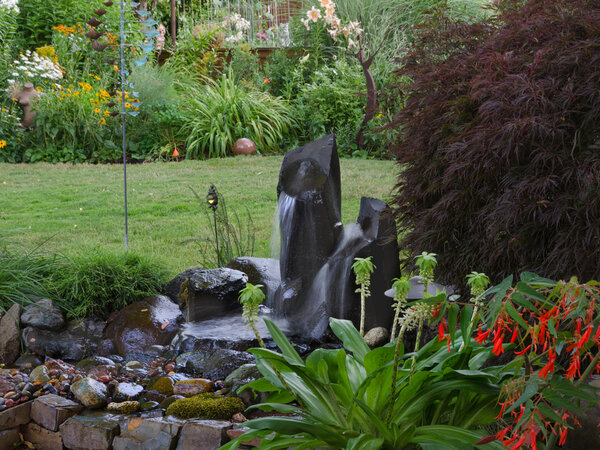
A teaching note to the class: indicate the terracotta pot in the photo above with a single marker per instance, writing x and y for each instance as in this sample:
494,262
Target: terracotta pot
244,146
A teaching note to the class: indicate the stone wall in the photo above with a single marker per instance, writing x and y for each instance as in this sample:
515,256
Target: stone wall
52,422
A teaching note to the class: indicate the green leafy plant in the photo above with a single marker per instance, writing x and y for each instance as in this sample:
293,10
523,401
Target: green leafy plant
426,262
251,297
98,283
446,393
363,268
221,112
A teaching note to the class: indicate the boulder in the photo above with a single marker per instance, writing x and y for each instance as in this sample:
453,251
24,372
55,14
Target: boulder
263,271
176,288
158,433
27,361
215,364
152,321
43,314
10,335
207,434
91,393
211,292
79,340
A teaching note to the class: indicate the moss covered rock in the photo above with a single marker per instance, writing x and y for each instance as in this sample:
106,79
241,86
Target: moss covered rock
206,406
128,407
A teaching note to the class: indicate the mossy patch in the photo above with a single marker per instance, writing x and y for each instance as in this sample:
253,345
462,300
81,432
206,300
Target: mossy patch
164,385
206,406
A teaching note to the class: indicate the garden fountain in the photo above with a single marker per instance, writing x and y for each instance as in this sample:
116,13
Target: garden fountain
316,251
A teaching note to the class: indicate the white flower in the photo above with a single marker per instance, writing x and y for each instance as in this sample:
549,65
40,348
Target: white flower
306,23
314,14
333,33
354,28
330,10
325,3
351,43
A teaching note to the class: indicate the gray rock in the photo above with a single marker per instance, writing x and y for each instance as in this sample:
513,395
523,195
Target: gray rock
10,335
50,411
215,364
127,391
40,375
152,321
43,314
91,393
240,377
263,271
27,361
79,340
9,438
90,431
205,434
93,361
207,292
41,438
15,416
148,433
377,337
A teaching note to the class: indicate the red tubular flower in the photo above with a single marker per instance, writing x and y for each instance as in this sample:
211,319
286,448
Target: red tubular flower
513,338
441,332
548,368
522,352
563,436
502,433
574,368
518,444
482,336
498,341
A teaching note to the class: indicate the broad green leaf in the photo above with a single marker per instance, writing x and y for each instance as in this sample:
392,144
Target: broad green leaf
465,320
452,315
512,312
282,342
365,442
350,337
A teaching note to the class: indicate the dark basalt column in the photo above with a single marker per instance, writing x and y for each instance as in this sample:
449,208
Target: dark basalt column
380,229
310,221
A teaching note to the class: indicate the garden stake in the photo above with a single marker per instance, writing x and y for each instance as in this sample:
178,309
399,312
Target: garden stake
213,200
122,29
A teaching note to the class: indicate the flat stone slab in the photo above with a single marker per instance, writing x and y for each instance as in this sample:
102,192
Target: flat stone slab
41,438
153,433
203,434
9,438
15,416
50,411
90,431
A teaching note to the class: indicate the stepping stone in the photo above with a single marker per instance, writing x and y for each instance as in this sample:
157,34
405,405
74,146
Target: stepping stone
90,431
204,434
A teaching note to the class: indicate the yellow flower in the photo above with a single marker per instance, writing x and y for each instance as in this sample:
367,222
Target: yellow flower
2,144
85,86
102,121
107,113
127,105
97,110
116,67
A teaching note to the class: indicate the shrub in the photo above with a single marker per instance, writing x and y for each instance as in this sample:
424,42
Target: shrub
98,283
221,112
37,17
499,142
332,102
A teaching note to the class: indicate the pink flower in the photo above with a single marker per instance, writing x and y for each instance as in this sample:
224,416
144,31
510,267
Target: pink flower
314,14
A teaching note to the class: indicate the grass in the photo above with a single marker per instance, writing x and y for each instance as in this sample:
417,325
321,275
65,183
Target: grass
71,209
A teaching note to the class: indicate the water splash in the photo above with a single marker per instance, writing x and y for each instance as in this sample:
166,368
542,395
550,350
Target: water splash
334,283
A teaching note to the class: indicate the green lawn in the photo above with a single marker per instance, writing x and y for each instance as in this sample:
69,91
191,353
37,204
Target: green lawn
75,208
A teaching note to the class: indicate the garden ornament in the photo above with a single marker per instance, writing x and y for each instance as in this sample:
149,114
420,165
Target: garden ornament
24,97
244,146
